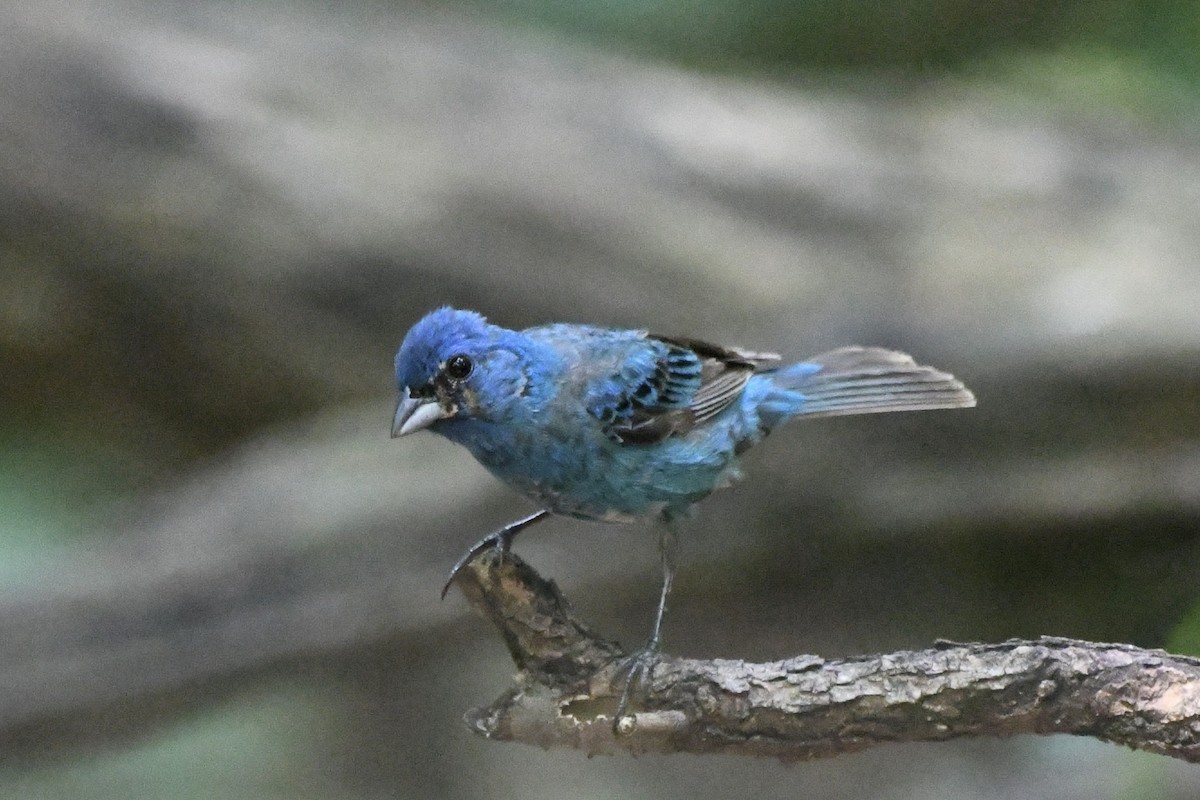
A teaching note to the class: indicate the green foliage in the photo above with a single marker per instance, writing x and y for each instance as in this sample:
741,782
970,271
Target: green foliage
50,490
911,37
255,747
1081,78
1185,638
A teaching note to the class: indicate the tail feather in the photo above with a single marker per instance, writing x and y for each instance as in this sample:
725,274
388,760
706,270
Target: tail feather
868,380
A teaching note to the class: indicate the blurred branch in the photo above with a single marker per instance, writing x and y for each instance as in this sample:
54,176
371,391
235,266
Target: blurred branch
807,706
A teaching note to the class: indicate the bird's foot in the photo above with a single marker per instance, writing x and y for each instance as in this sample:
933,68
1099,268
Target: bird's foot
638,672
499,541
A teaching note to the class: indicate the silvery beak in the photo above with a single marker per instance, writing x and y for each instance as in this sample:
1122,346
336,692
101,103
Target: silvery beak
414,414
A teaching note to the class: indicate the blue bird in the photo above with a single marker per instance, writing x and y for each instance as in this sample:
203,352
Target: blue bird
623,425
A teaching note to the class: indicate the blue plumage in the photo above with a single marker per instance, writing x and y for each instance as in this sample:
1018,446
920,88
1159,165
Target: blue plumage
619,425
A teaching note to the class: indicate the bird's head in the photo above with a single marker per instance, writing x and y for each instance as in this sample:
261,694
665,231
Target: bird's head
455,365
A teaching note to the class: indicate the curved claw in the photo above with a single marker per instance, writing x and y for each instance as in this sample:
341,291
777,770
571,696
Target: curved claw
496,540
501,539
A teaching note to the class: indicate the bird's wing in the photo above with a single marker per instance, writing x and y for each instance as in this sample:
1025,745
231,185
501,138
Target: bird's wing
676,385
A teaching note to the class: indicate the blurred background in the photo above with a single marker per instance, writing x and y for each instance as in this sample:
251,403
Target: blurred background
219,577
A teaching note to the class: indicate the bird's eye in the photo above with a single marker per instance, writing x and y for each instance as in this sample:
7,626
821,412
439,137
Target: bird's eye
458,367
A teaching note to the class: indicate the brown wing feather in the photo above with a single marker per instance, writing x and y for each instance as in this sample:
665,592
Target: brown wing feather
723,376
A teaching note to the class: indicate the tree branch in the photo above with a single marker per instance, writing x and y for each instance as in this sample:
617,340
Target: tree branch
807,706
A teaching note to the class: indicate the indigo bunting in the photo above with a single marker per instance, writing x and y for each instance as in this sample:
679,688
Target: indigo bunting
623,425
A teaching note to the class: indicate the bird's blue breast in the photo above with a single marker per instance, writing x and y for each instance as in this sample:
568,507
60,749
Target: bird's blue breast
560,457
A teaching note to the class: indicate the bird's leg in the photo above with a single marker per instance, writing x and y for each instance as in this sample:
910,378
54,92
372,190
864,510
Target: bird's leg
501,540
640,665
667,547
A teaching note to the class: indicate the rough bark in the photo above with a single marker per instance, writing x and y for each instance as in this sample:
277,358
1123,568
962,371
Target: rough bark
810,707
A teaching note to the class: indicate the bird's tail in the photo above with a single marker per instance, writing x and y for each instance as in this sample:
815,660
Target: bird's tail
860,380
